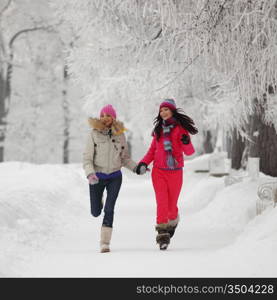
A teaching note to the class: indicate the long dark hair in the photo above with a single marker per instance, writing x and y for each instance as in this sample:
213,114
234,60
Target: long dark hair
183,120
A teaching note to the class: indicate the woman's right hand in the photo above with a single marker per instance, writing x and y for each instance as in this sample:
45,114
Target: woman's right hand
93,179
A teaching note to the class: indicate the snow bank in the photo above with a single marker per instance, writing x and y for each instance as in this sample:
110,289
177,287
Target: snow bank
215,205
253,254
36,202
231,208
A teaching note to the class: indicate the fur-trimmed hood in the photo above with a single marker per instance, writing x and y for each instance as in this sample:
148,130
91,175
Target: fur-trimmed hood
117,126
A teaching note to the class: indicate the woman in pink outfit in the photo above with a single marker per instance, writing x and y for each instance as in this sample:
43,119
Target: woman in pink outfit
171,139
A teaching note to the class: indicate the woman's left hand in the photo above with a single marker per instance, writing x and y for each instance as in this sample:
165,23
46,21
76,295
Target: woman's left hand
141,168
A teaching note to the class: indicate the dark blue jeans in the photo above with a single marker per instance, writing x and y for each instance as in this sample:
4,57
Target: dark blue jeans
112,186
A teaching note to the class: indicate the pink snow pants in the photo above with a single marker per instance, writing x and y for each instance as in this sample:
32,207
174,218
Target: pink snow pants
167,185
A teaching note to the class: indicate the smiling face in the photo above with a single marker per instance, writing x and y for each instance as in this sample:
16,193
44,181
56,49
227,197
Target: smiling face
107,120
165,113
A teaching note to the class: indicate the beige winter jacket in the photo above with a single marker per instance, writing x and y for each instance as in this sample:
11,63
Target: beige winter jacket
105,153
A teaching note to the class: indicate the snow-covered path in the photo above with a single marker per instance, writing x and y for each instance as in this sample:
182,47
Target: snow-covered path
134,252
218,235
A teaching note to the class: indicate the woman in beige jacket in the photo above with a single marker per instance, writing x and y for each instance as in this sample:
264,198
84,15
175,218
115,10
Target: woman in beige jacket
105,153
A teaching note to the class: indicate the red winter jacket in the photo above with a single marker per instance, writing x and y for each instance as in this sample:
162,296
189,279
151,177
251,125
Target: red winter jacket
157,153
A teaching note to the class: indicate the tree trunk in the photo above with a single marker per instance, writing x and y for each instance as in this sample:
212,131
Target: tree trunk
268,149
4,96
65,105
237,146
254,130
207,144
5,99
264,141
2,116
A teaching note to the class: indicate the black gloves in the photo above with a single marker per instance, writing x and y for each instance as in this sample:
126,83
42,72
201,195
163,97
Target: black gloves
185,139
141,168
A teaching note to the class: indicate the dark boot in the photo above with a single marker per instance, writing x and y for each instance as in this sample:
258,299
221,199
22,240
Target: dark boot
163,237
172,224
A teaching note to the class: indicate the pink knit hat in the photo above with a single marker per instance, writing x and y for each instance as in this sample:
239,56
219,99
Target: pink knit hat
108,110
170,103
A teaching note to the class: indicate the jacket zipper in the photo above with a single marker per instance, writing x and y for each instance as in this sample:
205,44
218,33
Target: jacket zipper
109,151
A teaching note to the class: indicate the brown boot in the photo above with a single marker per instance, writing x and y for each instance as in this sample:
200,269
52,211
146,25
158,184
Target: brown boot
172,224
106,234
163,237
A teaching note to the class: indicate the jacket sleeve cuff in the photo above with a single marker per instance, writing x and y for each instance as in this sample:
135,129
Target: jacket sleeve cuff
188,149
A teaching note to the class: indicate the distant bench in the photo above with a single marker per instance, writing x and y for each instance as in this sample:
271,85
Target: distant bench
267,196
267,192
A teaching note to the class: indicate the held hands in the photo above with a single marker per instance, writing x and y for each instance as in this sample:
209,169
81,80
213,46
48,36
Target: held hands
185,139
141,168
93,179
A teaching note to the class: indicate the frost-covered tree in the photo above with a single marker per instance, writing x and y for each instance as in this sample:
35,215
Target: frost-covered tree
118,59
149,49
17,25
244,47
43,120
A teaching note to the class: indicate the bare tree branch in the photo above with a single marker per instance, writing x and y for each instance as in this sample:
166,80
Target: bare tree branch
198,55
46,28
158,34
182,71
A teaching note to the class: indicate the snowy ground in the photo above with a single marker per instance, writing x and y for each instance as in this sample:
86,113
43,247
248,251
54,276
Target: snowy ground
46,229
